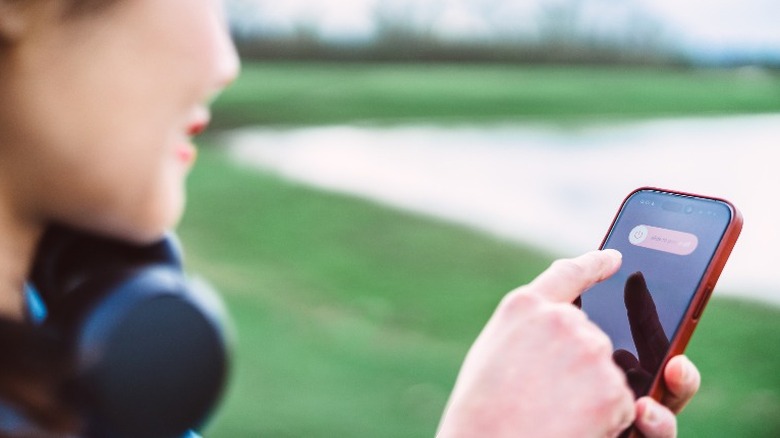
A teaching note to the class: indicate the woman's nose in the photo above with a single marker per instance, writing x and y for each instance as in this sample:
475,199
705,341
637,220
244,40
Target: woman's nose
229,63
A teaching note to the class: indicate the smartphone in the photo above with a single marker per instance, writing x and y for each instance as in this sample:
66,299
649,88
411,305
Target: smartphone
674,247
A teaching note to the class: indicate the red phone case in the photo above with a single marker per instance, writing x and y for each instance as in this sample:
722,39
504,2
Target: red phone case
704,291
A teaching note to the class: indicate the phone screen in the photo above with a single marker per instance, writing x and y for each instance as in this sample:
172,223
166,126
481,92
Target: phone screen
667,241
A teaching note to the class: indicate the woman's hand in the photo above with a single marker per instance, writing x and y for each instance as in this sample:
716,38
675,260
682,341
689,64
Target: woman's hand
682,381
540,367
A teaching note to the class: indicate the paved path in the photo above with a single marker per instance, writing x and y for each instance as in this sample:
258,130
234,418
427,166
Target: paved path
551,187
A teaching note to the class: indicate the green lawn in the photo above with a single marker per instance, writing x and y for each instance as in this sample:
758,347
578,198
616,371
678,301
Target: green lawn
352,319
310,93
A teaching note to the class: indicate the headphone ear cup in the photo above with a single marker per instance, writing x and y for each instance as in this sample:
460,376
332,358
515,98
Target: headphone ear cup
152,359
148,344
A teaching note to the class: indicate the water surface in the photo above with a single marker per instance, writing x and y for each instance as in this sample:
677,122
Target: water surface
556,188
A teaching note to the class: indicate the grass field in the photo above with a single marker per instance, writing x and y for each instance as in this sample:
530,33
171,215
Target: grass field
300,94
352,319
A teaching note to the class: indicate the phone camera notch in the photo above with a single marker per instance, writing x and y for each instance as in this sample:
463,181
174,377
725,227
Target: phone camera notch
672,206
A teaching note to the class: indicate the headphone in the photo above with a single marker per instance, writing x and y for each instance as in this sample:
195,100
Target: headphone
149,344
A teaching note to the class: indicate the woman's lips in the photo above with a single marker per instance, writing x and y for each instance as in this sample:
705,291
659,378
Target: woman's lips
197,128
186,152
199,121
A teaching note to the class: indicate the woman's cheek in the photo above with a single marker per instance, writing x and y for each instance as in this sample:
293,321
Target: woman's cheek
165,200
149,195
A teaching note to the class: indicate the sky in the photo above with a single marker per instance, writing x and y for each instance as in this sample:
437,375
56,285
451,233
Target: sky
704,27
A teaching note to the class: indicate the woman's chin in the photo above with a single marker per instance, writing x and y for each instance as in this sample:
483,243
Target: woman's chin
143,230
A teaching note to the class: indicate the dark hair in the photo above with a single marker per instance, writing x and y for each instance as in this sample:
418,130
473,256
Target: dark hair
35,366
34,369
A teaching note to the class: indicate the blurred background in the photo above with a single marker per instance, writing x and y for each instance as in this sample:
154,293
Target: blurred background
384,171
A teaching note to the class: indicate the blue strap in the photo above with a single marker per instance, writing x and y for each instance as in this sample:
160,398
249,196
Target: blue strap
36,308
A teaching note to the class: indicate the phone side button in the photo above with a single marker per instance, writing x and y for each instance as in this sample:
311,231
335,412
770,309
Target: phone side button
702,303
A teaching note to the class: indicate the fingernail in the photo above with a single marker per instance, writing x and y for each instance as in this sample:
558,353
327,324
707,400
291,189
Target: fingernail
685,373
615,254
651,415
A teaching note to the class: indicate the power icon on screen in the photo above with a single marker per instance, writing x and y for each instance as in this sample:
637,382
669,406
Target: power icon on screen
638,234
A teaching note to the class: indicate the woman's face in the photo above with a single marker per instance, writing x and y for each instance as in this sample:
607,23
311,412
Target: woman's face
100,109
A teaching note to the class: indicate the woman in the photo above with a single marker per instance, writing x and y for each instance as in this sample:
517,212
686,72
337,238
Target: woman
99,100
